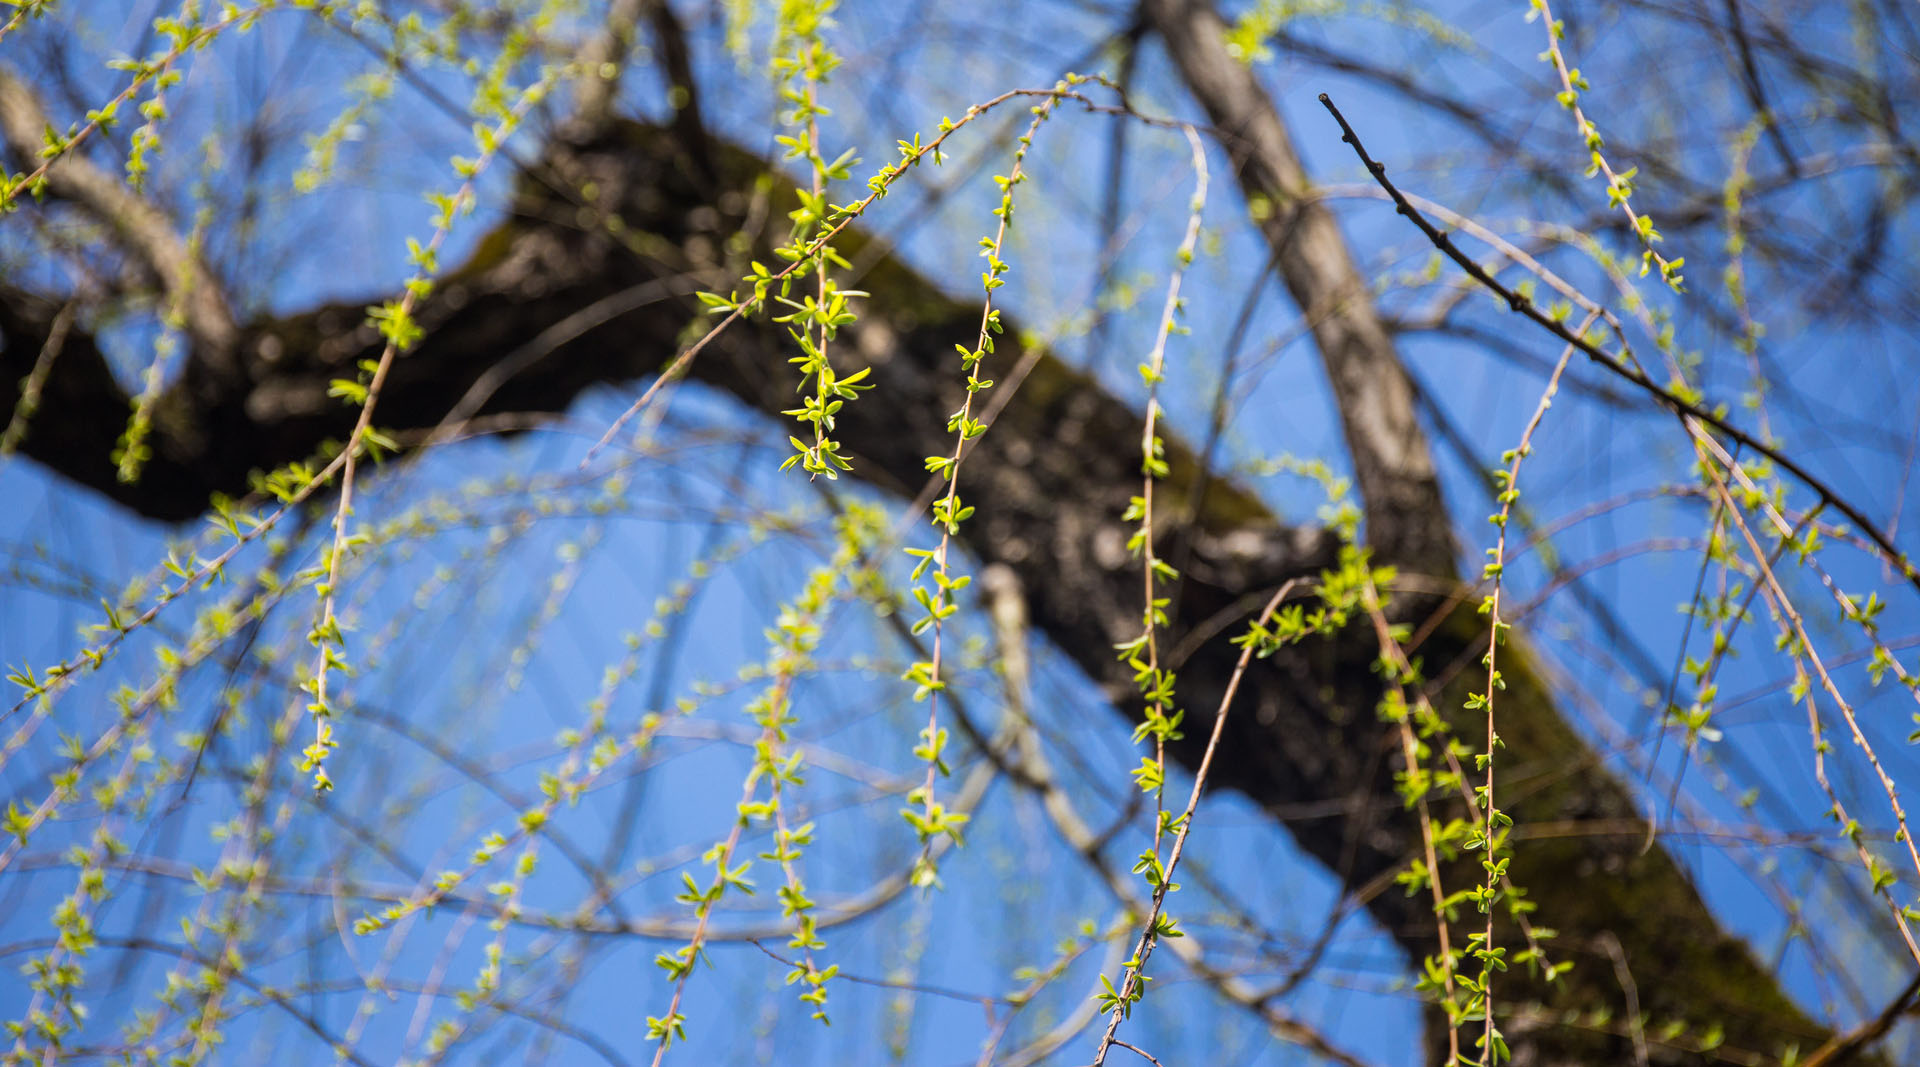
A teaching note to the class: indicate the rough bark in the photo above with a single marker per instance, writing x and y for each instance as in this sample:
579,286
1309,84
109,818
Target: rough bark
1050,482
1392,462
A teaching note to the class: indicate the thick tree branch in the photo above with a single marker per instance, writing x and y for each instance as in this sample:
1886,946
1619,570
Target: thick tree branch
1392,462
605,58
143,230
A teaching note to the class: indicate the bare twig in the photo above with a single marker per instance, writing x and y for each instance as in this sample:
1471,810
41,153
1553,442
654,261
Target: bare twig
1665,397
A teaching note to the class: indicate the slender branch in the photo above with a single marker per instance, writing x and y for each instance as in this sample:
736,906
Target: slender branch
1843,1048
1665,397
1151,931
1031,772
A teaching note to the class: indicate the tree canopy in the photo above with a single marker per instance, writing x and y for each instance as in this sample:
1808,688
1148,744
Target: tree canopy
1063,531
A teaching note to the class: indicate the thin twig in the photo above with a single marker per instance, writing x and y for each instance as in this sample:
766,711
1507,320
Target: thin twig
1664,396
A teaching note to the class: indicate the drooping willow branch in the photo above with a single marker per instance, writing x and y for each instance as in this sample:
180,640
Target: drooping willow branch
1666,397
